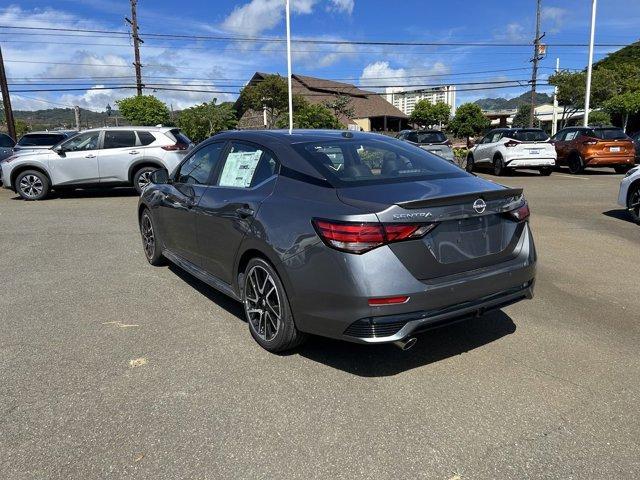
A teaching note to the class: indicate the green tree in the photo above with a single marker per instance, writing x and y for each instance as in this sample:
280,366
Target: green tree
202,121
21,128
624,104
599,117
309,115
143,110
521,118
468,121
426,113
271,94
341,106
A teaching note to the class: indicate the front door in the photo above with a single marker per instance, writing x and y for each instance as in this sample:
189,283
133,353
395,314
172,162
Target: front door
77,160
178,204
120,149
227,209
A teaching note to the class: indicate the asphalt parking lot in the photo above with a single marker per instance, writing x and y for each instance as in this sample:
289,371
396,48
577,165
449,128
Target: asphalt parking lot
547,388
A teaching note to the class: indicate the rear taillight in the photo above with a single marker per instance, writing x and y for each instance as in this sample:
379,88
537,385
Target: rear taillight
356,237
175,146
378,302
590,142
511,143
521,213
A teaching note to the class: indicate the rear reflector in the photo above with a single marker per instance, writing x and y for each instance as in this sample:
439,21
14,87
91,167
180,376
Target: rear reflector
176,146
358,237
521,213
376,302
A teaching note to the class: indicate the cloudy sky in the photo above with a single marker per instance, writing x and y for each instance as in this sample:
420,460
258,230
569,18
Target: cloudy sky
197,50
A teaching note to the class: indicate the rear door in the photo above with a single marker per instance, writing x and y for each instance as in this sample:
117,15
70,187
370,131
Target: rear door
178,203
120,149
77,163
227,209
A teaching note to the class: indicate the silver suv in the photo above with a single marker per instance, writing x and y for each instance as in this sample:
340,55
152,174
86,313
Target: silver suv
102,157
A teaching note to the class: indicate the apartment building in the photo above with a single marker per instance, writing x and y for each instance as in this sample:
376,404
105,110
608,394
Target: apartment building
405,101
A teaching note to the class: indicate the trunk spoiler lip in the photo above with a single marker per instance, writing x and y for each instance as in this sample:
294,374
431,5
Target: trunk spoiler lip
462,198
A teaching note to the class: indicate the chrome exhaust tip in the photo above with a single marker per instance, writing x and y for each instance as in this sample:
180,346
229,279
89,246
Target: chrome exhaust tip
406,343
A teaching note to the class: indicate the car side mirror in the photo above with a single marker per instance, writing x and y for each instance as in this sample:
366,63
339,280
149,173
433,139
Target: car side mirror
59,150
159,176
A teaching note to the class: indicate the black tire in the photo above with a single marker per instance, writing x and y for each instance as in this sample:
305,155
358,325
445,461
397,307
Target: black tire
633,202
141,178
32,185
546,171
470,165
271,326
576,165
498,166
622,168
151,243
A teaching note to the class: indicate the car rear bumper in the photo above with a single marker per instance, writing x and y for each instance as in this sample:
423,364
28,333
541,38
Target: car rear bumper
535,162
335,303
609,161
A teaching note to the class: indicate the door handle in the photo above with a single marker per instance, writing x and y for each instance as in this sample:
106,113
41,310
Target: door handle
134,152
245,212
90,156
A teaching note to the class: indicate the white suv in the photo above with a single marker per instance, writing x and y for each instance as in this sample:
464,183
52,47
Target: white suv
104,157
510,148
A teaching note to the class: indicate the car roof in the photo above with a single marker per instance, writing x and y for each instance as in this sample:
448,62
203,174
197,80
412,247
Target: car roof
298,135
132,127
50,132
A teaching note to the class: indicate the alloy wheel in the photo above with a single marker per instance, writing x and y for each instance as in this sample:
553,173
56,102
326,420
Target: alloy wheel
262,303
144,179
148,238
31,186
634,204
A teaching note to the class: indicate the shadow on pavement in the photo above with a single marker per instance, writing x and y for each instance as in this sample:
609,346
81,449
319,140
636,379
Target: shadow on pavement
95,193
619,214
433,346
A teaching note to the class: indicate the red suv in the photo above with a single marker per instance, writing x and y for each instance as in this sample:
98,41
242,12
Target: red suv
581,147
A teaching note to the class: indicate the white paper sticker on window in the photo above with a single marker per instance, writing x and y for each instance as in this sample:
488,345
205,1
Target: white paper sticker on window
238,169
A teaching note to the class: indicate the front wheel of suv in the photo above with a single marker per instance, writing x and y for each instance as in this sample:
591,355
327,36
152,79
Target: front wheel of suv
267,309
32,185
142,178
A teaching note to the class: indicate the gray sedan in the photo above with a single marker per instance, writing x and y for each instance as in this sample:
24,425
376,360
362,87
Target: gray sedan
433,141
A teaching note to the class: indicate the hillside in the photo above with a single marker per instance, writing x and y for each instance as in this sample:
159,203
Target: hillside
506,104
63,117
628,54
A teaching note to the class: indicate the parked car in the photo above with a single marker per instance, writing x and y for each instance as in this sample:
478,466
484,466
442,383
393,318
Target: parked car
102,157
636,143
433,141
34,141
314,235
582,147
505,149
629,195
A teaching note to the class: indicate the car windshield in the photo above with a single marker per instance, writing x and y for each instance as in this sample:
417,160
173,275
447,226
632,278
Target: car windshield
531,135
609,134
40,139
359,162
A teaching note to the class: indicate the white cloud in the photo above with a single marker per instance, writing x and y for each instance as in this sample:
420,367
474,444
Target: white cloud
381,73
342,6
513,32
259,16
554,17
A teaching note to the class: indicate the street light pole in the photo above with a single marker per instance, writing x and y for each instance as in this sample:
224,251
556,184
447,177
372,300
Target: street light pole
289,67
554,121
587,94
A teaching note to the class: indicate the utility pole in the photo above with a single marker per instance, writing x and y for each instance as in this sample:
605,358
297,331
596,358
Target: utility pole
76,111
587,93
6,100
289,66
554,121
136,45
535,59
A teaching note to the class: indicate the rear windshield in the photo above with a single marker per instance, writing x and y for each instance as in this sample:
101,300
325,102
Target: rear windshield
6,141
608,133
40,139
427,137
532,135
180,137
353,162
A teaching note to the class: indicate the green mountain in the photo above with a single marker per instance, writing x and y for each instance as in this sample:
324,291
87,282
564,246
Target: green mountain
64,117
628,54
507,104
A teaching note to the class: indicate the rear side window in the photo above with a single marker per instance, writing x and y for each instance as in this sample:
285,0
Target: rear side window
146,138
119,139
528,135
6,141
197,169
609,134
40,139
246,165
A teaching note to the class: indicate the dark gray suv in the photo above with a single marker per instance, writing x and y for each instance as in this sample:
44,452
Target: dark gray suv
353,236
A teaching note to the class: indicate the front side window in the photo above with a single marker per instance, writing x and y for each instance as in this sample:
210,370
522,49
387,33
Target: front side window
119,139
375,161
246,165
197,169
82,142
